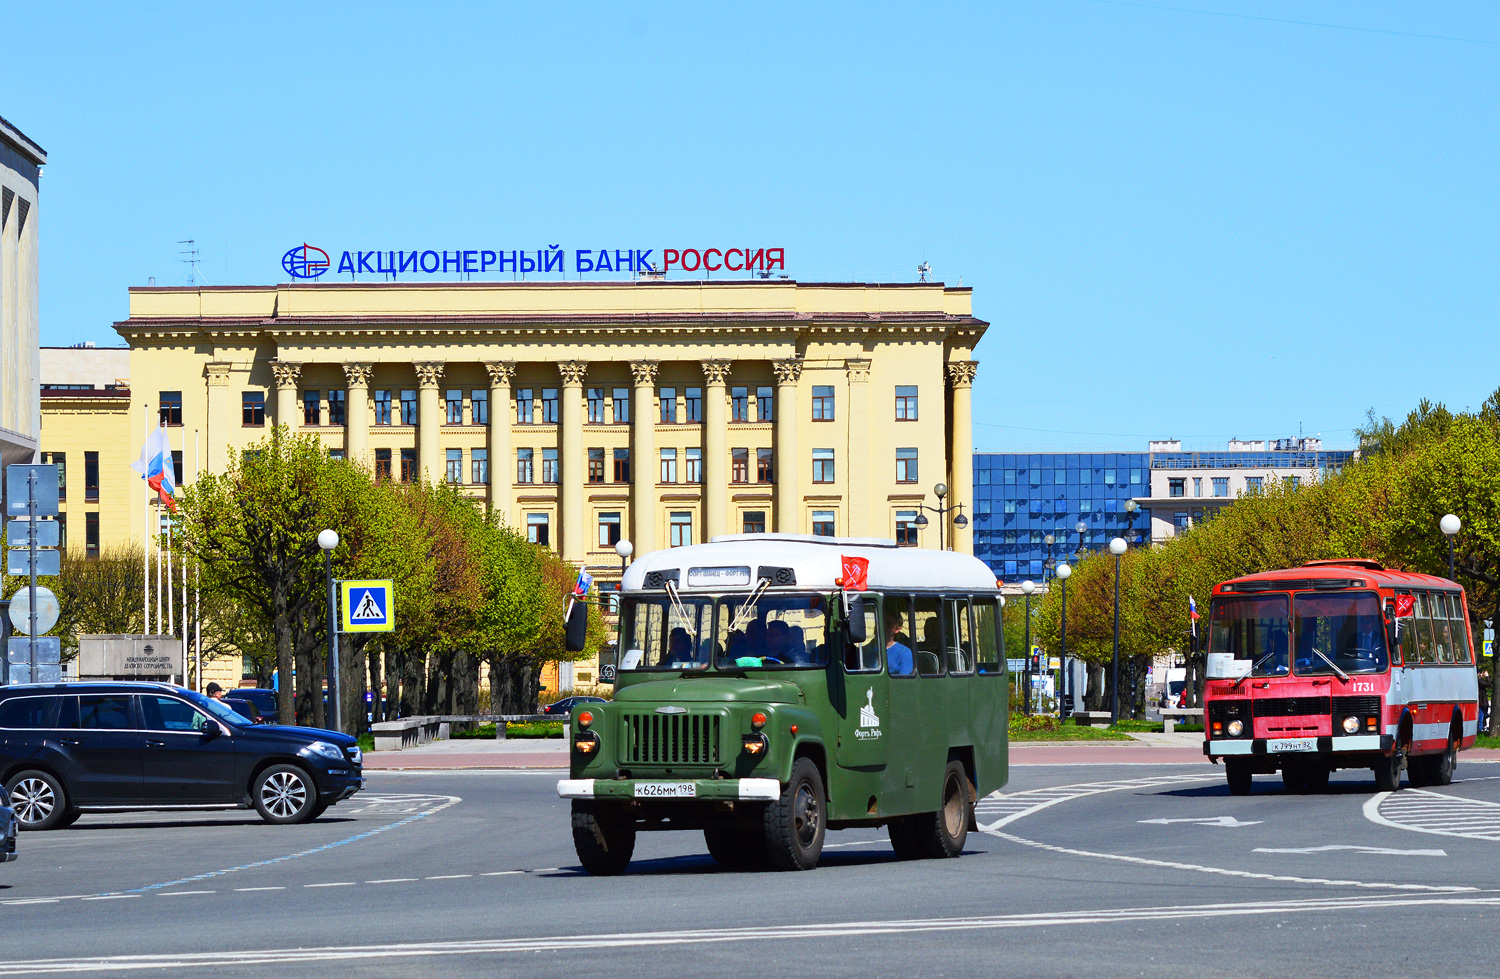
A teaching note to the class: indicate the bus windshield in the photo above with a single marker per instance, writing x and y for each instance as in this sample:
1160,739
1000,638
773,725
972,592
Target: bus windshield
1339,632
657,633
1253,627
772,632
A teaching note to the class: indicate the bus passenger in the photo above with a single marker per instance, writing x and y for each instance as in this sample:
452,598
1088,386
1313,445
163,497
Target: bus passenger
897,657
779,641
679,646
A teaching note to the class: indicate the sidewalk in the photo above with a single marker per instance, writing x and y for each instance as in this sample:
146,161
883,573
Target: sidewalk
475,753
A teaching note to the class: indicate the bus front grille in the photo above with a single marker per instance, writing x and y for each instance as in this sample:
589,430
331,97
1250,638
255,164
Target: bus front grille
1291,706
1356,705
671,739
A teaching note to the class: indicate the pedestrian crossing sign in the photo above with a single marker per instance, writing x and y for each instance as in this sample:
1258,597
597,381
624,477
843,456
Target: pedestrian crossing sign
367,606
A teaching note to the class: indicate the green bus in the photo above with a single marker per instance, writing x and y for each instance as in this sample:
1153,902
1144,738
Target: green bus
763,697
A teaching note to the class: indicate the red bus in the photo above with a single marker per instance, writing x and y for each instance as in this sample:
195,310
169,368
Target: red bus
1339,664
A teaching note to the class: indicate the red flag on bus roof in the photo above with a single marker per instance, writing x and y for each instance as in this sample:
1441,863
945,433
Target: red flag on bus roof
856,573
1405,605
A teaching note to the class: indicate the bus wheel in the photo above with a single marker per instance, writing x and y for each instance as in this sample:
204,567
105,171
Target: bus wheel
1237,771
1388,772
796,822
904,838
942,833
1315,779
603,838
1442,766
735,847
1293,778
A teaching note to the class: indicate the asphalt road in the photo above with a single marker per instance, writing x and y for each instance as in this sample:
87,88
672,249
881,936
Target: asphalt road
1102,870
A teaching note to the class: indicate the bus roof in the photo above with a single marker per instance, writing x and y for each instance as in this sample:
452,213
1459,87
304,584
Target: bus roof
1367,574
814,563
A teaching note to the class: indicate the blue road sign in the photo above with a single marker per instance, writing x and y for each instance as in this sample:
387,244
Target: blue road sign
368,606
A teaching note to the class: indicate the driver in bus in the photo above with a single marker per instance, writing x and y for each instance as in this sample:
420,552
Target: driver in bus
897,657
679,646
779,641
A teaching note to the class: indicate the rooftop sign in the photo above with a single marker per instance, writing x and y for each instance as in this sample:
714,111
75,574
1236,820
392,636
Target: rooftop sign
307,261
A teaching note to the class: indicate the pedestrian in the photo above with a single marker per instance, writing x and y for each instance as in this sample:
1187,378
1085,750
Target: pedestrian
215,691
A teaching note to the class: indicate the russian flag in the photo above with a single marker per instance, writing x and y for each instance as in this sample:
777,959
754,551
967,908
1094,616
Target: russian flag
1193,614
155,464
585,582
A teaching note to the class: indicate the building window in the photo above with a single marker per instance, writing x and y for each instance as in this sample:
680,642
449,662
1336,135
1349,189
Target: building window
906,528
739,465
549,466
62,532
523,406
1254,484
253,409
596,406
479,465
1176,487
454,402
622,465
822,406
91,533
312,412
754,522
382,463
681,533
669,465
549,406
337,454
1197,485
523,466
763,470
479,407
1010,477
177,467
408,465
1221,485
60,460
1109,477
906,465
169,408
822,523
692,403
822,465
1180,519
609,597
739,404
668,398
91,477
596,465
382,407
765,400
906,403
1010,506
1292,482
1135,477
1059,477
621,401
695,465
609,529
336,408
408,406
536,529
455,460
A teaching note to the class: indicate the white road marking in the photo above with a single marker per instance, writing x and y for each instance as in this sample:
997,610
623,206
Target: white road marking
830,846
447,876
800,932
1437,813
110,897
181,893
1018,805
1226,821
337,883
392,880
1383,851
502,873
260,888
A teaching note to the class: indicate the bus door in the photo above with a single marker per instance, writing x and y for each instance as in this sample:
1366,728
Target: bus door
863,702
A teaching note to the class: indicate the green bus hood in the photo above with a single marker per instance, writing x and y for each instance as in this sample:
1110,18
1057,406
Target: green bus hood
716,689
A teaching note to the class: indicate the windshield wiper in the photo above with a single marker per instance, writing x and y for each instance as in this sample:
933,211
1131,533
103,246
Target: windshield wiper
681,609
1253,667
744,613
1331,664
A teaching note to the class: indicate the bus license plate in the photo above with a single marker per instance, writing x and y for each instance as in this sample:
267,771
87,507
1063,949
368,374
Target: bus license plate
1292,744
666,790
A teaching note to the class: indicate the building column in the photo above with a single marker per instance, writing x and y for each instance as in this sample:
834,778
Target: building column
573,463
357,413
429,421
502,466
961,457
220,416
643,453
788,465
861,520
287,376
715,448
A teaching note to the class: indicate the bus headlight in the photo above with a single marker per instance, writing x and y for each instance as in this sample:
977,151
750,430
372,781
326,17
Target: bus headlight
1236,728
586,743
1351,725
755,744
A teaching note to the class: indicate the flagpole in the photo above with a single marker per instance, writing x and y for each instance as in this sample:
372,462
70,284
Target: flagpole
197,601
156,536
146,539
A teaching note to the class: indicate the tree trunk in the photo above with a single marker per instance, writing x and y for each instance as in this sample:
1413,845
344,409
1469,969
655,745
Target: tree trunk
1094,689
411,682
1494,711
377,688
351,687
282,627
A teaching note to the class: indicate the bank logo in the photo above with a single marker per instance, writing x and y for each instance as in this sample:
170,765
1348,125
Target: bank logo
305,261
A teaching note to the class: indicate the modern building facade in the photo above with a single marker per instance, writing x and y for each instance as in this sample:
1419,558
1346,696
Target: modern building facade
662,412
21,162
1021,500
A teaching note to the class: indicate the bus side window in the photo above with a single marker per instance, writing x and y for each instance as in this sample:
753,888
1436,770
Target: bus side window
929,626
1460,628
1406,640
1440,616
1426,644
985,636
866,658
960,650
895,635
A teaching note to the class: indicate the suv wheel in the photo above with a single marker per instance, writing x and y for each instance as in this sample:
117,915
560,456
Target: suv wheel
285,794
38,799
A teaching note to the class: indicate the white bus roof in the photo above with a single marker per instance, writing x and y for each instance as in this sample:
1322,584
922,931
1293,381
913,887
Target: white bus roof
815,562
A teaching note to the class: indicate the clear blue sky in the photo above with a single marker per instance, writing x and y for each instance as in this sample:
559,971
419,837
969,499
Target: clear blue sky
1200,220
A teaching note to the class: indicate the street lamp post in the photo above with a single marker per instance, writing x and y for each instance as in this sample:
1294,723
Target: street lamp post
1116,547
1027,587
328,540
1063,573
624,548
1450,526
960,521
1049,564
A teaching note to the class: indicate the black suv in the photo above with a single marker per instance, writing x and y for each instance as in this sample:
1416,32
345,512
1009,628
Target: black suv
70,748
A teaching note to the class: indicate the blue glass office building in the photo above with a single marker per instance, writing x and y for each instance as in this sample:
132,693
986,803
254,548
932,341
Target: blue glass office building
1020,498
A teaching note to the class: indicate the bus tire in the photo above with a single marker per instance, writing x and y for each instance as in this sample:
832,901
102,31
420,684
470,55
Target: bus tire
603,838
1293,778
1440,770
904,838
796,823
942,833
1237,773
734,847
1315,779
1388,772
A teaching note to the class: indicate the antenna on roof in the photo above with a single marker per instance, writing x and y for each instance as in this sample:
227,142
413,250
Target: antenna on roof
191,261
923,271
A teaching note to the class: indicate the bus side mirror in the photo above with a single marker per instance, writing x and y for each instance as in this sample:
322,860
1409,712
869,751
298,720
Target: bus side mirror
577,628
855,619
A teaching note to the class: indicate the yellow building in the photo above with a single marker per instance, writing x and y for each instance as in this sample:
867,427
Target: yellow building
662,412
87,433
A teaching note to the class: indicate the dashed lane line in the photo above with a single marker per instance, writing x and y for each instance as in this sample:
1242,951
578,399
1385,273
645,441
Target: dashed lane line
336,883
448,877
392,880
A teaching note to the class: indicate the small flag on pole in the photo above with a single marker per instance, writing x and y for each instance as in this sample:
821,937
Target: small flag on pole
585,582
1193,614
856,573
155,464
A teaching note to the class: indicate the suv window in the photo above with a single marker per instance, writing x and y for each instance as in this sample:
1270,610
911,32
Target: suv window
107,711
27,712
171,714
